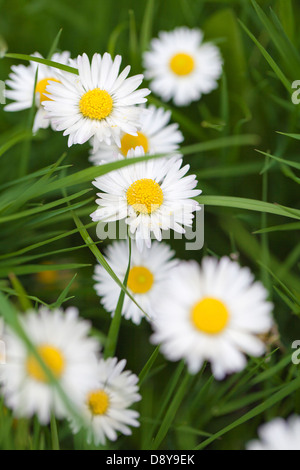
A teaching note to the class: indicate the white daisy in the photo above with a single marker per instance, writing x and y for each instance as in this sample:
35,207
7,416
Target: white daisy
21,81
151,196
149,270
105,408
155,136
212,313
61,340
278,434
181,66
98,102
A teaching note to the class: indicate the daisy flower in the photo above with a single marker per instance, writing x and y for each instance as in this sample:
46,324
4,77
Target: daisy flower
214,313
105,408
181,66
21,82
99,102
278,434
148,273
61,340
151,196
156,135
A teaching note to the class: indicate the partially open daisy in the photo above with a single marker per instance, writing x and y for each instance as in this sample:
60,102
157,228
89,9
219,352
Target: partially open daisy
278,434
151,196
181,66
105,408
99,103
155,135
149,271
212,313
21,82
62,342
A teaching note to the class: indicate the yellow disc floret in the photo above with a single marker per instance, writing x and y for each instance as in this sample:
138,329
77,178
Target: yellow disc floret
53,359
140,280
96,104
210,315
145,196
132,141
98,402
182,64
41,88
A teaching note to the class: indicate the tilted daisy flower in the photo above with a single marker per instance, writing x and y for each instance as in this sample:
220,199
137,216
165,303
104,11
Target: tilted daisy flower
278,434
61,339
105,408
213,312
21,82
99,102
156,136
181,66
151,196
149,271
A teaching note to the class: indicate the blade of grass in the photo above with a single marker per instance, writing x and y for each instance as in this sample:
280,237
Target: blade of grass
148,366
248,204
269,59
54,45
146,27
98,255
23,297
284,392
113,333
48,62
171,412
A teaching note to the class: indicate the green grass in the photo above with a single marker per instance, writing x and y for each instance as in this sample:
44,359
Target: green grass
242,142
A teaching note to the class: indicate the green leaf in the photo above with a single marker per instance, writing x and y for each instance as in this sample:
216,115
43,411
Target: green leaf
286,83
98,255
283,45
146,27
54,45
293,136
223,24
147,367
113,333
284,392
172,410
48,62
37,268
42,208
281,160
115,36
287,16
280,228
23,297
15,140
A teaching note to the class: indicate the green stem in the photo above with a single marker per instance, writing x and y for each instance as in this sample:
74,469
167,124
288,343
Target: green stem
54,434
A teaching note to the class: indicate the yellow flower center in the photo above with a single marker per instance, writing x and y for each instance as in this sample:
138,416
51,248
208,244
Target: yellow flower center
210,315
140,280
98,402
131,141
52,357
41,88
182,64
145,196
96,104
